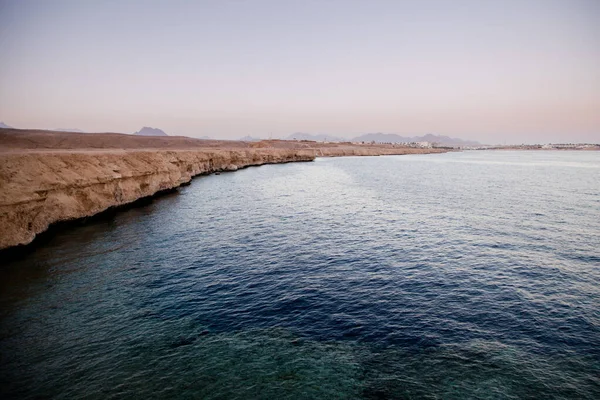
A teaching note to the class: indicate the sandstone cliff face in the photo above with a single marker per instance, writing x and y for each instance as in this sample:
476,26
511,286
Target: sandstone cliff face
47,177
38,188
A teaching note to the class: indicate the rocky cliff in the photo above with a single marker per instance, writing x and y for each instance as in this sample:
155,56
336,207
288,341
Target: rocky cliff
39,188
49,176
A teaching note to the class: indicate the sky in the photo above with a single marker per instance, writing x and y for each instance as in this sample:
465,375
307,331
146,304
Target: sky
509,71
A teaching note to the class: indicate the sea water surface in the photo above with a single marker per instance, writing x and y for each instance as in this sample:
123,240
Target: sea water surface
454,276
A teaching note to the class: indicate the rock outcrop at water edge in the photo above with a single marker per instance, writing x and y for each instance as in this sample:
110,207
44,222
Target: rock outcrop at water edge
39,188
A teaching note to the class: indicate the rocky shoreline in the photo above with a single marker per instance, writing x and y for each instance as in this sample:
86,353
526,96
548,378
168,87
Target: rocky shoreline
39,189
49,178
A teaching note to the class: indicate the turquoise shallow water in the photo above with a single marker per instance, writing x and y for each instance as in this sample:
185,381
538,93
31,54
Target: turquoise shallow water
461,275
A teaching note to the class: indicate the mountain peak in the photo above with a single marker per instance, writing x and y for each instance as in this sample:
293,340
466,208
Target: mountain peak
3,125
148,131
249,138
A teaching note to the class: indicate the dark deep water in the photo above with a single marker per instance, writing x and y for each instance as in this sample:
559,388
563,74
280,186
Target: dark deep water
462,275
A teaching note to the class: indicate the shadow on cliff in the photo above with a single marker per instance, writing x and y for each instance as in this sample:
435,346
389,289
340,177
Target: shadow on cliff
22,251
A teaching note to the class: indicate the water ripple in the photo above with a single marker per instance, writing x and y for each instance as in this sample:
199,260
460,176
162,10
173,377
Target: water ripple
463,275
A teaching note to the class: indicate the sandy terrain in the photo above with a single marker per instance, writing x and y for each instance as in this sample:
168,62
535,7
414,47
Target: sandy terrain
47,177
17,140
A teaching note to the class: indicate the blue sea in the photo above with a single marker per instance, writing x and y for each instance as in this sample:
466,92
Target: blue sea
465,275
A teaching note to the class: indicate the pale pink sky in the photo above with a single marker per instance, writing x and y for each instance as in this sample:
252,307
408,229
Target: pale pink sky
494,71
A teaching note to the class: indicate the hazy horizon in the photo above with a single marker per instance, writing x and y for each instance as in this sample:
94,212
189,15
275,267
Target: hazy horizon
493,72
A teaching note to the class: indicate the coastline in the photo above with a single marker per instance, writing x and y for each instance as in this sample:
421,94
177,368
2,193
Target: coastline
49,178
39,189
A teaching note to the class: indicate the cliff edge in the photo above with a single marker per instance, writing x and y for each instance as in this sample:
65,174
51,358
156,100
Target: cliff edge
50,176
44,187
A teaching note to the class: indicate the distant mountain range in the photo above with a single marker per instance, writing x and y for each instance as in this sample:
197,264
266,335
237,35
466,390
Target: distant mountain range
3,125
321,137
147,131
250,139
385,138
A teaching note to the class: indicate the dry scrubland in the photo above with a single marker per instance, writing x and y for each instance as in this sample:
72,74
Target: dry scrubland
47,177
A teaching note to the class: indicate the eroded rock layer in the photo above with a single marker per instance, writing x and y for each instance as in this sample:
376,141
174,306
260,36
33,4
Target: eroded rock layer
40,188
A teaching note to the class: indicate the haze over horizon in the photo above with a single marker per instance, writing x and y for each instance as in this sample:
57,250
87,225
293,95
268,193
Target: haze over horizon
494,72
